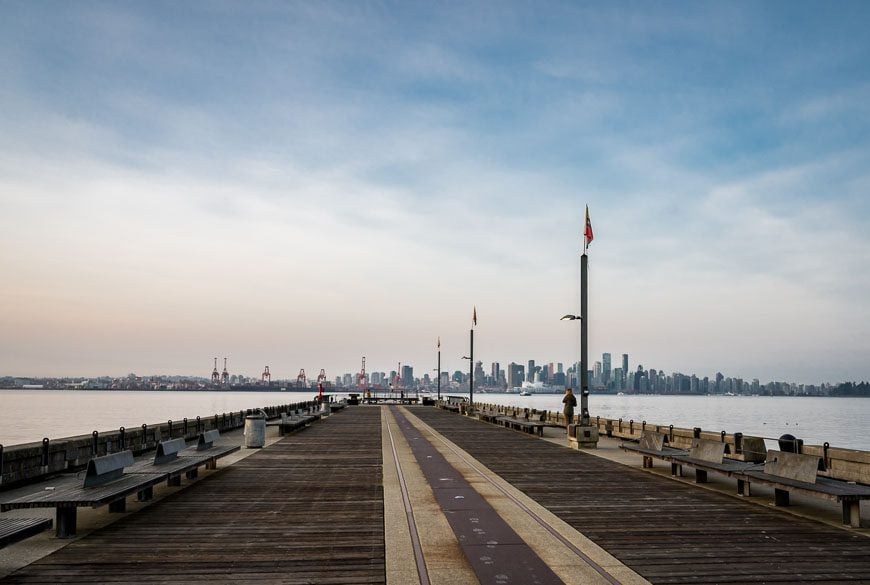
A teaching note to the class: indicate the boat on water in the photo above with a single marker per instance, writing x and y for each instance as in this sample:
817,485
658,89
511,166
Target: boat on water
525,393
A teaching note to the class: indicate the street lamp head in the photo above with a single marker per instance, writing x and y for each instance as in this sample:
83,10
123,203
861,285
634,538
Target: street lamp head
571,318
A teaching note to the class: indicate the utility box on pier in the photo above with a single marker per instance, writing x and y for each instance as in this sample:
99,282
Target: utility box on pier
582,436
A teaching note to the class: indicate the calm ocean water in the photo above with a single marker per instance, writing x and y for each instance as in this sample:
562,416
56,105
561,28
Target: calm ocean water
30,415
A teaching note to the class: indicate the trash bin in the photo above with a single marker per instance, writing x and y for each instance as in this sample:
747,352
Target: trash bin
255,430
790,444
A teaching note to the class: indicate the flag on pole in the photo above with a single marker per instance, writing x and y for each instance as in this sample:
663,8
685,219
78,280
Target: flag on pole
588,233
474,316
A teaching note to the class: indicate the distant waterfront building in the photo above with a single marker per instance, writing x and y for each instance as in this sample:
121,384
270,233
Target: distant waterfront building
596,374
407,376
605,369
625,364
530,372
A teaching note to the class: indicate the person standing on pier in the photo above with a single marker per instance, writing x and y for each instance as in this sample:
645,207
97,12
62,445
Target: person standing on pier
570,401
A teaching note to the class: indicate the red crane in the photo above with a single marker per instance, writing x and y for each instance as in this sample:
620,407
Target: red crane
215,375
301,379
267,377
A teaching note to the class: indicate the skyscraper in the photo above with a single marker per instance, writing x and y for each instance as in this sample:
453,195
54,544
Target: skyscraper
605,369
625,364
515,375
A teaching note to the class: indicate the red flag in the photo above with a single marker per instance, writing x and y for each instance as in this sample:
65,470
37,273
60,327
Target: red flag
588,233
474,316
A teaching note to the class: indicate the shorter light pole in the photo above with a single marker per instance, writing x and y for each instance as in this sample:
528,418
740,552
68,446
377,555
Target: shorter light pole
470,378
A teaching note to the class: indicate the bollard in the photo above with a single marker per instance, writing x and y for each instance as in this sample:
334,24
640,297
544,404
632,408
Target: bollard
696,432
45,451
185,427
643,425
723,436
122,439
620,425
144,436
671,433
738,442
95,437
631,426
169,424
198,422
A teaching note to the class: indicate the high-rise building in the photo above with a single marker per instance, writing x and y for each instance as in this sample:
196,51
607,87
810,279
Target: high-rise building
407,377
605,369
530,372
496,368
625,364
516,375
478,374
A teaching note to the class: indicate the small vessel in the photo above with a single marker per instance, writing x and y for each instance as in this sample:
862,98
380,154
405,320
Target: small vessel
525,393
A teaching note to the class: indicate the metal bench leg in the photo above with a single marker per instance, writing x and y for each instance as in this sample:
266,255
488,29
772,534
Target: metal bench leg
211,464
852,513
174,481
700,476
780,497
192,474
146,495
647,462
743,488
118,506
676,470
65,522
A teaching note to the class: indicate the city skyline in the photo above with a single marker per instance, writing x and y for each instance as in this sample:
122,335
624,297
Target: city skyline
308,183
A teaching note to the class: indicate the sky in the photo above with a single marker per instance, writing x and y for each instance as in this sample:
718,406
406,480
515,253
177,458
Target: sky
300,184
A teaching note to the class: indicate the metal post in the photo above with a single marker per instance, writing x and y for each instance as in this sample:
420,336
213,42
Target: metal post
584,326
439,371
471,373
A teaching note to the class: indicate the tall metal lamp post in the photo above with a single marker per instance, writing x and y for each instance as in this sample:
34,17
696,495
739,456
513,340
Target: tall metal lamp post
586,434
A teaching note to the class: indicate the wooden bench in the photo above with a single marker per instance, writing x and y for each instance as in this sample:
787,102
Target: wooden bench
651,446
104,483
795,472
111,478
174,459
706,456
290,423
520,424
15,529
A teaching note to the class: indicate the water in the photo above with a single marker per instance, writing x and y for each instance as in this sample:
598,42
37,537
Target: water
30,415
839,421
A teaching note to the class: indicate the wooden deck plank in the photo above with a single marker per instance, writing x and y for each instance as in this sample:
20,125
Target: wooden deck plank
307,509
667,531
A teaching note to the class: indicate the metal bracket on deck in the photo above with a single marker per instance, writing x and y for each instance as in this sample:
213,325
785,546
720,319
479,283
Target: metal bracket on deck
168,450
102,470
207,439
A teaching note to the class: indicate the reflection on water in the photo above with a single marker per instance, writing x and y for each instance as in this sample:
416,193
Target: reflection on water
30,415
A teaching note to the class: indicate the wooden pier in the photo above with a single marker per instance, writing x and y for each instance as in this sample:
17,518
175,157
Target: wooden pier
346,500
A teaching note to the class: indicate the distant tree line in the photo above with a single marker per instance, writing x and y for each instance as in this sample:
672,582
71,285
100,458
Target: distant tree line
851,389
